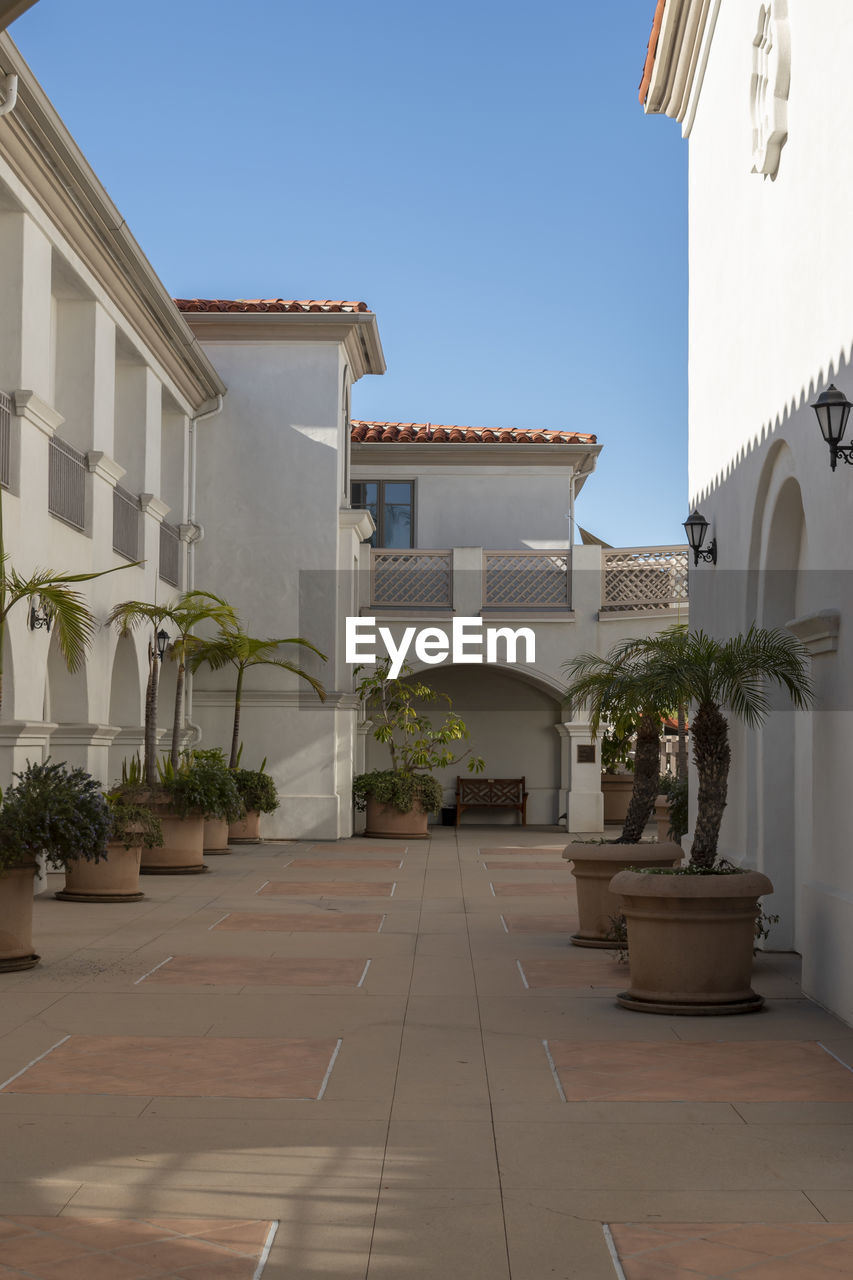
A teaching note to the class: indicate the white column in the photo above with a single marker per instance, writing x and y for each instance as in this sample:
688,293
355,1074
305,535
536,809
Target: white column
581,800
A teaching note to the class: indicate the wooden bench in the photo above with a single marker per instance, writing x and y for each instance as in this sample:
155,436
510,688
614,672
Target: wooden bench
485,793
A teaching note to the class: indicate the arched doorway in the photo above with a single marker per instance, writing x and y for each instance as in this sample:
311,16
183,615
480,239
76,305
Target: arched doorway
126,698
511,720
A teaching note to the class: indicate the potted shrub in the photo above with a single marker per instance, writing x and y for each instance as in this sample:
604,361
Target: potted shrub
691,929
258,795
614,690
181,799
53,810
226,805
398,800
115,877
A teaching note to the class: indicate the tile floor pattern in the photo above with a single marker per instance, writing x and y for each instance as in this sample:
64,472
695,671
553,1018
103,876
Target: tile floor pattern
327,889
441,1148
783,1071
180,1066
106,1249
706,1251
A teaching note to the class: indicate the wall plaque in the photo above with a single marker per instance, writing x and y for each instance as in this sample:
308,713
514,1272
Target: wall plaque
586,753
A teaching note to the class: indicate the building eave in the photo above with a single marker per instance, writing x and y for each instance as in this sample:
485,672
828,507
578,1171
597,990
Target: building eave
48,163
677,55
383,453
358,332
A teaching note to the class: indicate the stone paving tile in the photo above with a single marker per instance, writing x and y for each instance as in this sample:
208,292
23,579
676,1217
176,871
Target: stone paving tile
344,864
720,1071
301,922
172,1066
524,889
520,850
754,1251
72,1248
576,967
566,923
240,971
556,866
328,889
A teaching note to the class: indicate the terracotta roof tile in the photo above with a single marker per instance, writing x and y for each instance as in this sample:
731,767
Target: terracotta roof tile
651,51
303,306
364,432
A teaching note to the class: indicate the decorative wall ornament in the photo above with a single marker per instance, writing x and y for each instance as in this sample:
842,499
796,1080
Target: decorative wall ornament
771,82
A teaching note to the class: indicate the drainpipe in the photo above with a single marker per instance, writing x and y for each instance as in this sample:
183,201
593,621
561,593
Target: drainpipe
195,533
10,94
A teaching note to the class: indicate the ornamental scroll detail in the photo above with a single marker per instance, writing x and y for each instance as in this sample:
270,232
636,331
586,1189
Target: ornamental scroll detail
771,82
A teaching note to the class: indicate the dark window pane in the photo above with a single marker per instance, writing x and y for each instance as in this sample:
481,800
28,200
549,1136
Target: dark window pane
365,494
397,514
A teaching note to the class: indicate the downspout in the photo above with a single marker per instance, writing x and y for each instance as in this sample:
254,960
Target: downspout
10,94
195,533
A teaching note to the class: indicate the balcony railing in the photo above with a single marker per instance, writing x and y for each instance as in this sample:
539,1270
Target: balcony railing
125,523
5,440
66,483
417,579
642,578
170,554
526,580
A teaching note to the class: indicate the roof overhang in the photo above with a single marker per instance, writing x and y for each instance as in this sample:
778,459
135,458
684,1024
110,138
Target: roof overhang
48,163
358,332
679,44
579,458
12,9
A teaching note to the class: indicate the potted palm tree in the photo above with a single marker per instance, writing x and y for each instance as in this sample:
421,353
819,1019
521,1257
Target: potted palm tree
51,810
614,690
115,877
399,800
691,930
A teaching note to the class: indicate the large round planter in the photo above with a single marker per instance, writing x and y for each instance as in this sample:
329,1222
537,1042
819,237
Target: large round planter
16,919
216,835
593,867
690,941
113,879
182,852
617,789
384,822
247,830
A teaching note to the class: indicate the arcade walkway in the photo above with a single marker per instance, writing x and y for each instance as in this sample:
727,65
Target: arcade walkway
350,1061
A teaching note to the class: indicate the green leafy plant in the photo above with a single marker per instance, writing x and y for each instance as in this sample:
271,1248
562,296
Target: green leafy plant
190,790
616,748
133,824
210,766
675,790
54,810
256,789
415,744
234,647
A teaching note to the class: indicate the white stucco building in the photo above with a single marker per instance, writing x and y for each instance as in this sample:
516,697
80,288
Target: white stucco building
213,441
764,94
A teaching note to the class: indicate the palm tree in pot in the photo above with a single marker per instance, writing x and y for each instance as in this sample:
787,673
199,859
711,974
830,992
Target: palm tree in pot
615,690
691,930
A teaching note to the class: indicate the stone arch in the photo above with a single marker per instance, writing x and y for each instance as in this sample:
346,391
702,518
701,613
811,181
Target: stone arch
783,744
512,717
66,693
126,692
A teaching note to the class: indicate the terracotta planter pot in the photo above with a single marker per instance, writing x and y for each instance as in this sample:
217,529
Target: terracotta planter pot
115,879
16,919
247,830
384,822
216,835
690,941
617,789
182,853
594,866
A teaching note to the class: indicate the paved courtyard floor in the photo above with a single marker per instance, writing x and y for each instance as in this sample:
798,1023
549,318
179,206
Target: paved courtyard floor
366,1060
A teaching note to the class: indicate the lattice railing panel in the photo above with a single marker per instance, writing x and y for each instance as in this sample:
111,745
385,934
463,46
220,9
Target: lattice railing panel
414,578
527,579
644,578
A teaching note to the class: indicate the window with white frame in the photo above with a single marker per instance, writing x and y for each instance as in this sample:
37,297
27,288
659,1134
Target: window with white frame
392,505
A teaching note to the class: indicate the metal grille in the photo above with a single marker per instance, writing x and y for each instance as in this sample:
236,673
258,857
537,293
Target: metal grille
170,554
125,523
420,578
527,579
644,578
5,440
66,483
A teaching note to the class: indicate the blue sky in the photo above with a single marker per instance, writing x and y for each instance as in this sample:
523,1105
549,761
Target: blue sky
481,174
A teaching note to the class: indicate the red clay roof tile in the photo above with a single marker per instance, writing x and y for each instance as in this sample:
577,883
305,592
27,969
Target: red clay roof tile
651,50
364,432
303,306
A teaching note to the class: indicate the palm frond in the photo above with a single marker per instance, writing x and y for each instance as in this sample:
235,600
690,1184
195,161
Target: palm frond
74,623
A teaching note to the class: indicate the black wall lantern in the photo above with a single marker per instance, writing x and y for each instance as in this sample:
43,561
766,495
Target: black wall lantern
833,409
41,615
162,641
696,528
